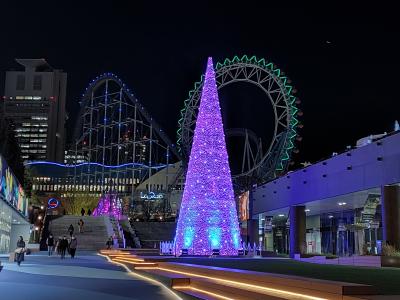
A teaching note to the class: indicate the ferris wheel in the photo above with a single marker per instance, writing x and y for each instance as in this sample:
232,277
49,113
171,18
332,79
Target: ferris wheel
262,158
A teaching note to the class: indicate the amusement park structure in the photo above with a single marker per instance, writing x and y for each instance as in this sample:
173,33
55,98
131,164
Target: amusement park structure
120,142
119,146
261,161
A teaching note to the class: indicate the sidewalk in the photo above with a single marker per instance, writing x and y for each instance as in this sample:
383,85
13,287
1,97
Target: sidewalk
86,277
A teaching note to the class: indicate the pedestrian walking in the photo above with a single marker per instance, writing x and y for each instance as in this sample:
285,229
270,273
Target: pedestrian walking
70,230
63,246
81,223
109,243
58,248
82,211
50,244
89,212
73,244
19,252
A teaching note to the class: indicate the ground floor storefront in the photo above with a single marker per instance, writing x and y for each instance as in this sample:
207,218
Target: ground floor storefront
353,224
12,226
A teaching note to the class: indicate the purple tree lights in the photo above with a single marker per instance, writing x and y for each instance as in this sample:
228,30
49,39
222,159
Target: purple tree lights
109,205
208,218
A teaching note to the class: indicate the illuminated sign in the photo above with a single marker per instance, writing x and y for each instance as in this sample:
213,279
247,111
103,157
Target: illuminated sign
244,206
10,188
53,203
151,196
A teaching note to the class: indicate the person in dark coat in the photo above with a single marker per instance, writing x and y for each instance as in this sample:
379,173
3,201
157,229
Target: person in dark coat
80,224
19,252
50,244
73,244
58,247
109,243
82,211
89,212
71,230
63,246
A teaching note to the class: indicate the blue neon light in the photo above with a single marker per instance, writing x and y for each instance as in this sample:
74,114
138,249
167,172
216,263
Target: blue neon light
53,203
92,163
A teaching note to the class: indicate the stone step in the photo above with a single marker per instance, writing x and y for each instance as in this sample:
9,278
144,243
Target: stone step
299,285
202,286
95,232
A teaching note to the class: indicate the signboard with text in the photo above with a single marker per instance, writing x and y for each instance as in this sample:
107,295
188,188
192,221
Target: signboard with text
10,188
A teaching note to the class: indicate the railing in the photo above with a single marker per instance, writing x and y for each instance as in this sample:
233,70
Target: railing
121,234
117,229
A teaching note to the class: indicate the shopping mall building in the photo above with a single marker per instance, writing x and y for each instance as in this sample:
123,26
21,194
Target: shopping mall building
13,210
348,204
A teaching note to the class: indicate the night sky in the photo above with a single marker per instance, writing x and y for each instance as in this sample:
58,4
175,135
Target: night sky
344,61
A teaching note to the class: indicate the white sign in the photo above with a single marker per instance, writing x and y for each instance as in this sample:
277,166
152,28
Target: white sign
151,196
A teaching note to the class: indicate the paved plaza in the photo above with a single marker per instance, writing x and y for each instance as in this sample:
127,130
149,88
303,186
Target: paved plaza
88,276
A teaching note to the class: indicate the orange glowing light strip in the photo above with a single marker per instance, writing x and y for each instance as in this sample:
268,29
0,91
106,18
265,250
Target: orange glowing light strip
128,258
252,286
136,263
142,277
205,292
115,253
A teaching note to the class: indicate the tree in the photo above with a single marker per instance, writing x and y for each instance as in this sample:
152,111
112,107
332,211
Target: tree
208,219
10,150
75,203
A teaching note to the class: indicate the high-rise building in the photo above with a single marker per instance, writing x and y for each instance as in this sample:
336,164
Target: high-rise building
34,100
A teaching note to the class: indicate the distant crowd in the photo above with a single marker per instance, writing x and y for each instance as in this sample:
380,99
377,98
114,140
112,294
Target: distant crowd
61,245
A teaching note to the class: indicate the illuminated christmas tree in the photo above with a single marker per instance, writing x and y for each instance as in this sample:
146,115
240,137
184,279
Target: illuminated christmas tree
109,205
208,218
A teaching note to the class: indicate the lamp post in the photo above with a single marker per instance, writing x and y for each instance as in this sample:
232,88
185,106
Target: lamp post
37,220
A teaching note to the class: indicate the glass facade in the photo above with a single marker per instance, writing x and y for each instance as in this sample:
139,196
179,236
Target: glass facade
5,227
336,228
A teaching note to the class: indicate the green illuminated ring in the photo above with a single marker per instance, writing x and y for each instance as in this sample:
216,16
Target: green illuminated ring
278,90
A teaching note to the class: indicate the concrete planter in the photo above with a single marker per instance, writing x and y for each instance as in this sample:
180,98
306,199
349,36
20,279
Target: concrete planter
390,261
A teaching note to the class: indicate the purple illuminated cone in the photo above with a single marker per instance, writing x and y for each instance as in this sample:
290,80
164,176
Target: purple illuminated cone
109,205
208,218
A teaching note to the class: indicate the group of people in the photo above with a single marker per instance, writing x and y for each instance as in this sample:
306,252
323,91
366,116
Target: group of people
83,211
62,245
71,228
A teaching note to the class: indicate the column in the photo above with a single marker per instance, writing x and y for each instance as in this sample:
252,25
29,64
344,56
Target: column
297,239
252,232
390,203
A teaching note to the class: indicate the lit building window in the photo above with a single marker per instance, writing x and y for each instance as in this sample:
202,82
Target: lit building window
38,118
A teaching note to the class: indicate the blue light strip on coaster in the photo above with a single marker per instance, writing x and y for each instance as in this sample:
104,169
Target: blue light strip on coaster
93,163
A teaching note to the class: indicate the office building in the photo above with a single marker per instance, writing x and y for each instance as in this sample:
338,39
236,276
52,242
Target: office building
34,100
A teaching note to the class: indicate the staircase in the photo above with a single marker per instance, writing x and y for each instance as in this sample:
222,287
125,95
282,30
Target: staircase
152,233
131,239
118,232
95,232
210,283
